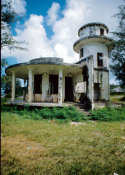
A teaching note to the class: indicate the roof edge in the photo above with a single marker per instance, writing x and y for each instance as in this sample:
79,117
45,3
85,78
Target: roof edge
91,24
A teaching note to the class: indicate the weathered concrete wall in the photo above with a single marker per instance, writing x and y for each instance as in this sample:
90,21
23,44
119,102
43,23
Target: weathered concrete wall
55,98
92,30
38,98
102,77
105,86
77,78
93,48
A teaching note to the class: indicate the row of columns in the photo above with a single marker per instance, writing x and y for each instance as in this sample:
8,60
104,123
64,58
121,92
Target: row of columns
30,86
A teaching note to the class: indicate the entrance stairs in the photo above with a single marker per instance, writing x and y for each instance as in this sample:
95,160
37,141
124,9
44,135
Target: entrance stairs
81,108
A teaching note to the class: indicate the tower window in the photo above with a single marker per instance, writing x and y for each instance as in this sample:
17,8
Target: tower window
99,59
101,31
81,52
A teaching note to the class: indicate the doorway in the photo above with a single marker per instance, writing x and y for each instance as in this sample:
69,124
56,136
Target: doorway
68,89
96,92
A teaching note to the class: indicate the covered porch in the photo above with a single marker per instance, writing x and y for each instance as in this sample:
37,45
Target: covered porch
46,83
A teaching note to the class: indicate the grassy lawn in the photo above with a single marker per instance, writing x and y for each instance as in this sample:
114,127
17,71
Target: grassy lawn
44,147
117,99
116,95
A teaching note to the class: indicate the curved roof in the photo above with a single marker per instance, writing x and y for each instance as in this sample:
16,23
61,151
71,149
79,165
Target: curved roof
92,24
42,60
40,65
79,43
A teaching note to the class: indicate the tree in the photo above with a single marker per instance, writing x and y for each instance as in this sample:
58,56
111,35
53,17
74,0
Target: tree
6,81
117,55
8,18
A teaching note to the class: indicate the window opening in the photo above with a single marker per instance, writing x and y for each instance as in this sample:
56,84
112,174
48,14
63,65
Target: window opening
99,59
81,52
101,31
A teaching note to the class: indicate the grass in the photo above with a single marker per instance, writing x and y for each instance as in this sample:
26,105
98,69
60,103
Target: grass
117,95
118,99
49,147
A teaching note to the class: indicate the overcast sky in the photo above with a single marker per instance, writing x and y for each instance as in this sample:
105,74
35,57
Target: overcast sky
51,27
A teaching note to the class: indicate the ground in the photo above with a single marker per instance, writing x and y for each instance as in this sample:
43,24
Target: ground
117,99
47,147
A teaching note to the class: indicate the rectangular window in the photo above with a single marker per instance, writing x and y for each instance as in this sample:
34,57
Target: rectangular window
81,52
101,31
99,59
37,84
53,83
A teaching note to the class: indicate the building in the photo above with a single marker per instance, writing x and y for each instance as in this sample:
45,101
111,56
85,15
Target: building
51,80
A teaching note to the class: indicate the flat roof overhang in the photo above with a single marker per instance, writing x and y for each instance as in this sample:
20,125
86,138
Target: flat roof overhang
21,70
91,39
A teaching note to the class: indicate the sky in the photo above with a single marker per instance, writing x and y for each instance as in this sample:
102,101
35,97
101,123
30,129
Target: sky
49,28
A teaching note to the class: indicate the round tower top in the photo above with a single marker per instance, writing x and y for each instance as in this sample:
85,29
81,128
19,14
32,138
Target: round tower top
94,28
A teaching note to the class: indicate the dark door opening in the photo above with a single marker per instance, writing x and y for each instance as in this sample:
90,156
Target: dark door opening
68,89
96,92
37,84
53,81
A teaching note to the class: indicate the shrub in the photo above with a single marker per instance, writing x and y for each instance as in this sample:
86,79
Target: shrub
64,113
108,114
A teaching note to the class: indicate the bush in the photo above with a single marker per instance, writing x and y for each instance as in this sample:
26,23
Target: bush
65,113
108,114
3,100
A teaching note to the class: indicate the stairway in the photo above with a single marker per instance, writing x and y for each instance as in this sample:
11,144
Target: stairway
81,108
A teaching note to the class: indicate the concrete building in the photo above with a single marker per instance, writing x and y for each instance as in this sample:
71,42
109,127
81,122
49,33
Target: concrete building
51,80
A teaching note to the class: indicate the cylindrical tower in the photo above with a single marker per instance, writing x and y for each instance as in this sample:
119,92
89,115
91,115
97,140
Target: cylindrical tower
93,39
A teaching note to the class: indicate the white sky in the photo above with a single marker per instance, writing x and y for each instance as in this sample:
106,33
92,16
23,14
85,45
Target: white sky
76,14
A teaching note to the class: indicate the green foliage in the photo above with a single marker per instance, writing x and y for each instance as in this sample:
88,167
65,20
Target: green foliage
4,64
65,113
116,93
108,114
8,18
117,55
6,81
6,86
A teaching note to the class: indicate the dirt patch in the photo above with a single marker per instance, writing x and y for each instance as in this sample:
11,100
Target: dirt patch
20,146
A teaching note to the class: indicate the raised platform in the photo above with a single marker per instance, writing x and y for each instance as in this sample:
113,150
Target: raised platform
47,104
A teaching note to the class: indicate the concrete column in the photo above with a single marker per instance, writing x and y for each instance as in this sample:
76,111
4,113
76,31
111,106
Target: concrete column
60,86
45,86
91,81
63,88
30,91
13,86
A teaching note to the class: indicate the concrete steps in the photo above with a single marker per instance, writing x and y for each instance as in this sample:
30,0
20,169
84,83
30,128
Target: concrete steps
81,108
